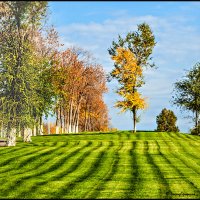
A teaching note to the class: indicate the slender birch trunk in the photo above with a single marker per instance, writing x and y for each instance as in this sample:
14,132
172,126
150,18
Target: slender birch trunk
34,130
19,131
2,134
57,121
61,121
41,126
77,123
70,116
27,135
11,137
67,122
49,126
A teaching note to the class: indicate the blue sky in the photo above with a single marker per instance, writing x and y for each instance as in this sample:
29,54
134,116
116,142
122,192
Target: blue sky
94,25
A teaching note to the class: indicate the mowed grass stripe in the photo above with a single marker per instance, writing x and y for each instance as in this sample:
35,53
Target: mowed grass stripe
184,137
8,150
72,169
89,168
188,159
119,183
33,162
22,164
25,181
149,180
179,184
12,159
181,145
104,173
188,168
113,167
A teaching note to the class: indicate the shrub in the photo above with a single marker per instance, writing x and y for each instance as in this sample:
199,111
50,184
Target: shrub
196,130
166,121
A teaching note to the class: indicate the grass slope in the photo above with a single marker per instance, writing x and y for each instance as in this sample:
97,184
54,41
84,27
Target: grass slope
102,165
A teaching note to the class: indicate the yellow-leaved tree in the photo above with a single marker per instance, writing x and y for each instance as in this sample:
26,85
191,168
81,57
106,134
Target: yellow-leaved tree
130,55
130,76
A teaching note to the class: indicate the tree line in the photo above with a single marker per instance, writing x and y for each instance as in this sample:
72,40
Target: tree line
37,78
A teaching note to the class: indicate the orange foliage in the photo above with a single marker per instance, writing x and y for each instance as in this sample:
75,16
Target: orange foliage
79,83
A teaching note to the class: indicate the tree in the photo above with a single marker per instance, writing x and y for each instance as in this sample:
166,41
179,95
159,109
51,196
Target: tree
187,93
19,66
166,121
131,55
129,75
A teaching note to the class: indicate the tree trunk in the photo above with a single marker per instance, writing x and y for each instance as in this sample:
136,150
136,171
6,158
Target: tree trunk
27,135
41,127
61,124
85,122
2,134
196,118
49,126
11,138
70,117
34,130
77,122
134,120
57,121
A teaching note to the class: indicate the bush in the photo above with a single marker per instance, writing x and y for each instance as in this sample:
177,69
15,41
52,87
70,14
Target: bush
196,130
166,121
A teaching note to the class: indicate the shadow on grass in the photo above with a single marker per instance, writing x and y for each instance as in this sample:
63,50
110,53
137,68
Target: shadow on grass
59,163
109,175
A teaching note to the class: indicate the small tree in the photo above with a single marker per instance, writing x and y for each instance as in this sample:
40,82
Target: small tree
166,121
187,95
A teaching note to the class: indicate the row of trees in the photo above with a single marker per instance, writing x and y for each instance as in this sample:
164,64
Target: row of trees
79,84
36,78
21,68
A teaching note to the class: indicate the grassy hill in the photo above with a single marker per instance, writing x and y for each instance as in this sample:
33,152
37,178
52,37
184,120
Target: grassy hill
102,165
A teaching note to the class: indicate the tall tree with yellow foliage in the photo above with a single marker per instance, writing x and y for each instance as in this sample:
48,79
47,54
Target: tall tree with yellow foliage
130,56
130,77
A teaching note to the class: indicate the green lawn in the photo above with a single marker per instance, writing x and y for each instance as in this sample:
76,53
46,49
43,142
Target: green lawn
102,165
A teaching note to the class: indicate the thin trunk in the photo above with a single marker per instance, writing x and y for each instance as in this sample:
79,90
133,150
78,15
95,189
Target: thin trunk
61,124
11,137
49,126
2,134
27,135
19,131
67,122
34,130
75,118
196,118
70,116
134,120
77,122
85,122
57,121
64,121
41,126
37,125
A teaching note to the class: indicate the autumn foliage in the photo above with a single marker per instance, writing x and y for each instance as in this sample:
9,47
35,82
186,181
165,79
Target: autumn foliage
129,75
79,83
